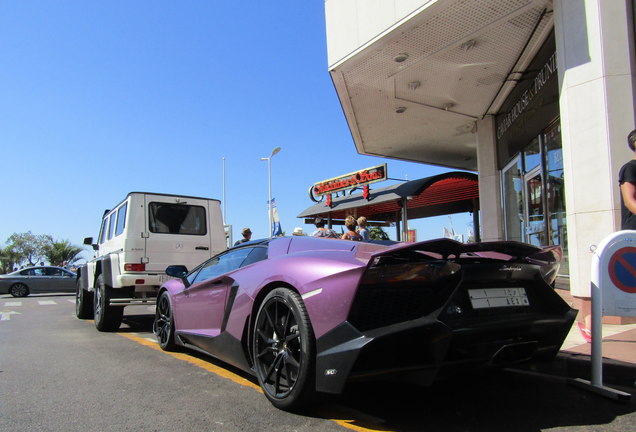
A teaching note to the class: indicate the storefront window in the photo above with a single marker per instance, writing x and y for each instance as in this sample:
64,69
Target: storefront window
533,194
556,191
532,155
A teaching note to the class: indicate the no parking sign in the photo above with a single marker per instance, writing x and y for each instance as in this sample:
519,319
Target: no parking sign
622,269
613,290
614,270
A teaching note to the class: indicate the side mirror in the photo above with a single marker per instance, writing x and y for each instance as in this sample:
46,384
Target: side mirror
89,241
178,271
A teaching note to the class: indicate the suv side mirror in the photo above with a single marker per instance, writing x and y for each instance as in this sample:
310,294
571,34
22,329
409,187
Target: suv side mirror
89,241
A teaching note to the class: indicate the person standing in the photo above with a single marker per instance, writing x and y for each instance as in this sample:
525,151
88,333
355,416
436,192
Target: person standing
247,236
363,231
627,182
321,231
351,234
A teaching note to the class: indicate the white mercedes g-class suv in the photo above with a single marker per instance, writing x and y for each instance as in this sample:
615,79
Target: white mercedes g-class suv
138,239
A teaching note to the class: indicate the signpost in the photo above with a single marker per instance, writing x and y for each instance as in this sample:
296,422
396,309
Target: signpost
613,288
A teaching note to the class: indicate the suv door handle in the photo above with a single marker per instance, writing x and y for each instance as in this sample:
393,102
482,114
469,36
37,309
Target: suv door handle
202,248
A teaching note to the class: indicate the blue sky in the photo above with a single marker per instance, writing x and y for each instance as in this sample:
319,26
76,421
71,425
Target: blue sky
98,99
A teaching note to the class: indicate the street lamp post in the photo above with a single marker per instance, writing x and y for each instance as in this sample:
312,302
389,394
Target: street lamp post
224,199
269,181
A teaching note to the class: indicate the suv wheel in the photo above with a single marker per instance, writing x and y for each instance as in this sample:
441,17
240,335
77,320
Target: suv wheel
107,317
83,302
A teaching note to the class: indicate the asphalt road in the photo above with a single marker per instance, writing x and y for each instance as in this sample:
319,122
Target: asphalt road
57,373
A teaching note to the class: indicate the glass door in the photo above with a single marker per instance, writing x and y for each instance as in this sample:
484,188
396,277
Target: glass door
535,215
512,196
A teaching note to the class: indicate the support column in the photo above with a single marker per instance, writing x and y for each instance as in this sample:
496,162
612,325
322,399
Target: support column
489,181
405,220
594,44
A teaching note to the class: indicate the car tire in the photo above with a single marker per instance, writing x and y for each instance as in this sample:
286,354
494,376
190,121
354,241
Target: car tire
83,302
19,290
163,325
284,350
107,317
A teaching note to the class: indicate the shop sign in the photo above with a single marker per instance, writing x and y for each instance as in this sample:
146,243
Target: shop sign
348,181
542,78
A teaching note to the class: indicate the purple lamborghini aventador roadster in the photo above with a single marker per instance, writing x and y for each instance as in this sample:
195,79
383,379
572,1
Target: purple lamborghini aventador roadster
306,315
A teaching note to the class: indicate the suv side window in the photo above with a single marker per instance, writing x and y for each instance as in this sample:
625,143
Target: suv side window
111,226
121,219
103,231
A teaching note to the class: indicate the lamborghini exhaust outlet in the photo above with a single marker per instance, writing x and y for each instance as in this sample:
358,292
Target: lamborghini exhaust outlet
514,353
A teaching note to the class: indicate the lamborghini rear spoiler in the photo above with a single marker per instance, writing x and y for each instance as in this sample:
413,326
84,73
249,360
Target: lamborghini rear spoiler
548,258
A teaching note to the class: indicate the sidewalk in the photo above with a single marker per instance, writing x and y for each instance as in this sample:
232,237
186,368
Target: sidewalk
619,354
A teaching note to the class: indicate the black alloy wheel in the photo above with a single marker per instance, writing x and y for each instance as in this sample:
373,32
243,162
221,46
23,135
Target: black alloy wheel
19,290
83,302
163,326
107,317
284,350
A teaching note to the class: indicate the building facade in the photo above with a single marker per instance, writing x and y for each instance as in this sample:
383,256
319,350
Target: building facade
536,96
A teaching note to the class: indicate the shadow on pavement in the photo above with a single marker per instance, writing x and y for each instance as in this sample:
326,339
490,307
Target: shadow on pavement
137,323
496,402
501,401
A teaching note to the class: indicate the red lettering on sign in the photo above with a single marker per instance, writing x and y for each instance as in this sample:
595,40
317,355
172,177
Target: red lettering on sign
352,180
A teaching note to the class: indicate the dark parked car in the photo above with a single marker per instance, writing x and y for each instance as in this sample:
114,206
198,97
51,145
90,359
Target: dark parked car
306,315
43,279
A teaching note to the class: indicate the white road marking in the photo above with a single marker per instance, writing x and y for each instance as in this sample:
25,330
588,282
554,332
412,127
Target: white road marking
71,301
14,303
151,340
6,315
46,302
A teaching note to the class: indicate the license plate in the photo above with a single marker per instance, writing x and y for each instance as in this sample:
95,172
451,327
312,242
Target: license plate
498,297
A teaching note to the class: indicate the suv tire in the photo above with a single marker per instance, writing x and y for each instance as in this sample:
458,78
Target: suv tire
107,318
83,302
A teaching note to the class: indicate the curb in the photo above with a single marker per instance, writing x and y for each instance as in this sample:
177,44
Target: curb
575,365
